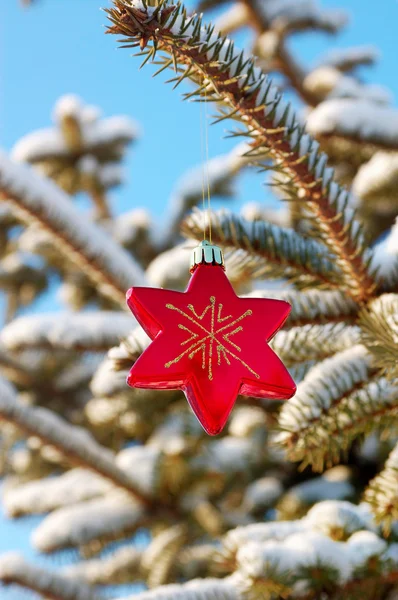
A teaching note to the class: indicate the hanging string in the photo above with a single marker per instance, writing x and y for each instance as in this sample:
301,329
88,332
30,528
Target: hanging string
202,160
207,166
204,152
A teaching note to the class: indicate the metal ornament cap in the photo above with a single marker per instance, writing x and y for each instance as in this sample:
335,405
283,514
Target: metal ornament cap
206,254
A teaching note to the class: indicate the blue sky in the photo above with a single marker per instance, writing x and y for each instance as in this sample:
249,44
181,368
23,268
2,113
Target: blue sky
59,47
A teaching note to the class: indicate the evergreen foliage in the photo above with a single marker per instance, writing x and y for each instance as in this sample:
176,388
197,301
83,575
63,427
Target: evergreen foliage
232,517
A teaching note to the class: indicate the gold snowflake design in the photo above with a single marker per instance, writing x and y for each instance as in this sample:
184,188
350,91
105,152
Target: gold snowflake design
211,341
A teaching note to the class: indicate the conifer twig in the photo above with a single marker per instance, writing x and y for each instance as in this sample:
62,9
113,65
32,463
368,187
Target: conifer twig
40,201
233,81
313,306
76,445
87,332
382,492
282,252
53,586
285,61
313,414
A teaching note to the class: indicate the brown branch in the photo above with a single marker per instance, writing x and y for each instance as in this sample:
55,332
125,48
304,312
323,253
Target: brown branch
74,254
284,60
137,25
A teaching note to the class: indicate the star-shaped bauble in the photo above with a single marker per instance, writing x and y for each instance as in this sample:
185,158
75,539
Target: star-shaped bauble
210,343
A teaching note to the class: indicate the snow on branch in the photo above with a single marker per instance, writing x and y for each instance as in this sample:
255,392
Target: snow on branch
355,119
312,306
143,463
110,377
314,341
243,91
280,565
339,519
122,566
293,15
85,244
309,421
49,584
347,59
74,442
282,251
376,181
379,324
133,230
161,555
385,257
335,542
112,517
47,494
170,268
382,493
85,332
256,532
82,151
197,589
328,82
232,19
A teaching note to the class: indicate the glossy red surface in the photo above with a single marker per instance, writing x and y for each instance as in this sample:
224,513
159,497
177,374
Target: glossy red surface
211,344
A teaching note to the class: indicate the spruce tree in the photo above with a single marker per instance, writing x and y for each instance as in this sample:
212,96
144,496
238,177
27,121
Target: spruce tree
292,500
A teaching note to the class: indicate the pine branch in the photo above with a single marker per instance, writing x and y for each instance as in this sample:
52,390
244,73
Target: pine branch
254,533
74,443
16,371
159,558
300,371
355,120
379,323
348,59
82,152
377,180
45,495
122,566
85,332
277,568
276,251
196,589
100,521
38,200
385,260
374,405
234,81
313,307
49,584
311,342
382,493
328,398
286,63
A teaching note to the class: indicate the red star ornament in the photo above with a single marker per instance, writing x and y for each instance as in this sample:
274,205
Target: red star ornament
210,343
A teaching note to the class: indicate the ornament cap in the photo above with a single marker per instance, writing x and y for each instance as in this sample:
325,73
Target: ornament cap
206,254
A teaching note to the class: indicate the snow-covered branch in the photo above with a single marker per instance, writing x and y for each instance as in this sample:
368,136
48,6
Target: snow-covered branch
112,517
73,442
54,586
85,332
86,245
312,306
355,119
280,252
